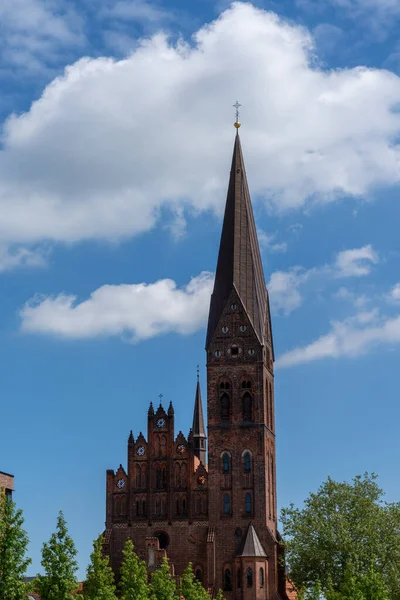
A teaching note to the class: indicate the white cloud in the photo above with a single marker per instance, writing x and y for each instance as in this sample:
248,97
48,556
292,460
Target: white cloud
138,311
284,286
394,294
349,338
32,32
21,257
111,142
267,242
356,262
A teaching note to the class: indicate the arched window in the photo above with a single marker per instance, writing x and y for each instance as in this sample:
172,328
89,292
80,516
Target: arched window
144,476
247,462
199,575
184,506
163,506
225,407
144,508
198,504
117,505
138,476
246,384
177,475
249,577
158,478
227,580
261,577
226,463
157,507
157,445
178,507
248,504
123,505
224,385
163,448
227,504
239,579
247,407
137,508
183,475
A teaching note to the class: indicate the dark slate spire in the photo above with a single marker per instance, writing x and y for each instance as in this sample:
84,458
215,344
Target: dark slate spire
239,262
198,430
252,546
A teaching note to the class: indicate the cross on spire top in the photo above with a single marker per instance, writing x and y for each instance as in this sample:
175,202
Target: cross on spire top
237,106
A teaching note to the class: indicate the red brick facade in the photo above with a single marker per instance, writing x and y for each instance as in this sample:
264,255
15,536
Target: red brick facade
221,517
6,483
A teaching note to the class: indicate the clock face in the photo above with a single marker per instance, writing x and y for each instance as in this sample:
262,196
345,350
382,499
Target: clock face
140,451
181,448
121,483
201,480
160,422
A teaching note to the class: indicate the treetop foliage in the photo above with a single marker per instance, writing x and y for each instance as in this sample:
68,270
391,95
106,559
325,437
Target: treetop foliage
344,532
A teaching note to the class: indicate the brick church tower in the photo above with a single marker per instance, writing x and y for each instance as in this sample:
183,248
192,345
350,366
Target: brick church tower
219,516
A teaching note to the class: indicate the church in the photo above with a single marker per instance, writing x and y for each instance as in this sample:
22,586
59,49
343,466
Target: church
215,507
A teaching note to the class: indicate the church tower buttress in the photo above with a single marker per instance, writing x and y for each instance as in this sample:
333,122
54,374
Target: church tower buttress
240,393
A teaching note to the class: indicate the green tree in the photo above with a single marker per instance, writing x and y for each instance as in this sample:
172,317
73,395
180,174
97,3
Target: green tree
344,524
219,596
191,588
13,544
60,566
163,586
133,583
99,583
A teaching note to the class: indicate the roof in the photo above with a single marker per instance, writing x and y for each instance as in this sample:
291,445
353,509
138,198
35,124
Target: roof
239,261
252,545
198,428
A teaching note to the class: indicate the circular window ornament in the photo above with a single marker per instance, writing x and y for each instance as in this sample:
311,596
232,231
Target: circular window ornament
252,352
243,328
121,483
201,480
217,353
225,329
238,532
233,306
140,451
181,448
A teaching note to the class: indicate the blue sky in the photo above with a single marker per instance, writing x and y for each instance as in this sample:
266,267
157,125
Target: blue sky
115,154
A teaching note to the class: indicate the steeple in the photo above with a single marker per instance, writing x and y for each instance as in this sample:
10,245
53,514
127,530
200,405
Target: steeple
198,430
239,264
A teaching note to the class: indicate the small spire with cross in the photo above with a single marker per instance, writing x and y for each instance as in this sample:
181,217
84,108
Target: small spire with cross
161,396
237,106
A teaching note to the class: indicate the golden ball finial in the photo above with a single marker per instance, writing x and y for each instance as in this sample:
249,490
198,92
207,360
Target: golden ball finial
237,124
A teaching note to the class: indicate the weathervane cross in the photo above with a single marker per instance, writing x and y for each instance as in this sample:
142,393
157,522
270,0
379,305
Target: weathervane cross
237,106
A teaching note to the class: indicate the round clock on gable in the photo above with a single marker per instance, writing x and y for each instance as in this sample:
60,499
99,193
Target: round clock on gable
140,451
181,448
121,483
160,422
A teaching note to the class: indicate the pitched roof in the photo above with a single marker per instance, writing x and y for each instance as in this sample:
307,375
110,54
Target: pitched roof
239,261
252,545
198,429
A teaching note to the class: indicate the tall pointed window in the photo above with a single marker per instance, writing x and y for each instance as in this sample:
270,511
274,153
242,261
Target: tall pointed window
225,407
249,577
261,577
227,580
247,462
248,504
239,579
247,407
227,504
226,463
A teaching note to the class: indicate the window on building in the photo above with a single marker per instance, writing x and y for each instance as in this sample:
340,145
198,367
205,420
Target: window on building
249,577
227,504
247,462
137,508
227,580
239,578
225,407
199,575
144,508
246,384
184,506
226,463
224,385
247,407
248,504
261,577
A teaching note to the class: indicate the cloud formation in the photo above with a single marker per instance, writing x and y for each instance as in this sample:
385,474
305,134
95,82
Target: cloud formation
111,142
136,312
284,286
350,338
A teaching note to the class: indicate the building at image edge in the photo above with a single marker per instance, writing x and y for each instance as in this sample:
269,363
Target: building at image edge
220,516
